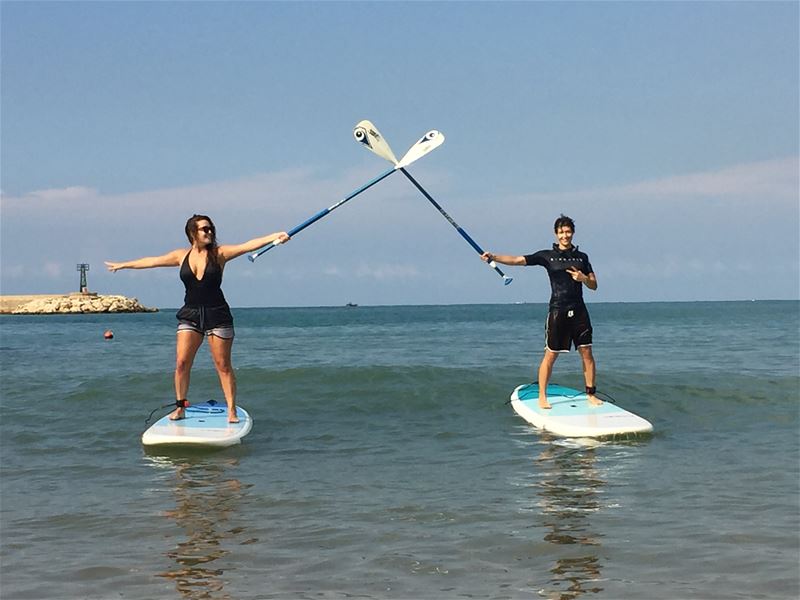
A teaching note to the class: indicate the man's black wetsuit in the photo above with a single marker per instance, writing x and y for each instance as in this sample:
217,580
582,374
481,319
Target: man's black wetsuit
568,321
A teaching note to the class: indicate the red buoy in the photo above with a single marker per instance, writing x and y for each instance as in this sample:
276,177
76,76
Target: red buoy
109,335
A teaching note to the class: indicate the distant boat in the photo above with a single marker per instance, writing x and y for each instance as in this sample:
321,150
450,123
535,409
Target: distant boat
351,305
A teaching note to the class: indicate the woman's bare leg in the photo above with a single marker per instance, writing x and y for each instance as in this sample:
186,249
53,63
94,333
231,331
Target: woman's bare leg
221,353
185,350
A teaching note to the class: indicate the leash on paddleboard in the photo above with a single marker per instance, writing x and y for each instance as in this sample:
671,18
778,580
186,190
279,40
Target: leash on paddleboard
596,392
605,395
178,403
608,397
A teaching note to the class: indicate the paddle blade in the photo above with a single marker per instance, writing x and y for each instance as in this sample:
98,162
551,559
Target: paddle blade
368,135
431,140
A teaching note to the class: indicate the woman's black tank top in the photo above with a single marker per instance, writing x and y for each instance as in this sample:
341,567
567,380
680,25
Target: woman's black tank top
206,291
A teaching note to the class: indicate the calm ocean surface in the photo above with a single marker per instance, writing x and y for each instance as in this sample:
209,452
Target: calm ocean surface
384,462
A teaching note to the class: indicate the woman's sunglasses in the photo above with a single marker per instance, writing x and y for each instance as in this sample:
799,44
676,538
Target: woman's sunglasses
205,229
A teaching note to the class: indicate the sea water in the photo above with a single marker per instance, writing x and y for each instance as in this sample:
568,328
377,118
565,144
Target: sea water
385,461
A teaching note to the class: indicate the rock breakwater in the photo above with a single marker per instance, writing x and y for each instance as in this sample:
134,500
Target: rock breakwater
71,304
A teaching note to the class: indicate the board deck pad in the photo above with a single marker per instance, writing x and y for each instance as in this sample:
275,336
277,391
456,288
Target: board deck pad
571,414
205,424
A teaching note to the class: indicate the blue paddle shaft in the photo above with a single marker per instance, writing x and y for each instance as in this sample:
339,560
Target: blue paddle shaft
463,233
324,212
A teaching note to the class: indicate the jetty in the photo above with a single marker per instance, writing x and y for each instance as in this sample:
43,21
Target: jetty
75,303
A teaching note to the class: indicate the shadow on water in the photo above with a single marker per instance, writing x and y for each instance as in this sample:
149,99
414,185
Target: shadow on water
207,502
570,488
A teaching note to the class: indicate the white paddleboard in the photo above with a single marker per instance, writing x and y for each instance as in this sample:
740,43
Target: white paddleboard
571,414
205,424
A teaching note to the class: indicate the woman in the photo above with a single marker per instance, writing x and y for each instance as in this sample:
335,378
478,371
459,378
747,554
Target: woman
205,311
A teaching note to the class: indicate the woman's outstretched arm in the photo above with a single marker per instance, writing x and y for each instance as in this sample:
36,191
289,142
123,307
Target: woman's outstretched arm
229,252
171,259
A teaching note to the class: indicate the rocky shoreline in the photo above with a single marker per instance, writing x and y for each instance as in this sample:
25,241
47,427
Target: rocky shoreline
78,303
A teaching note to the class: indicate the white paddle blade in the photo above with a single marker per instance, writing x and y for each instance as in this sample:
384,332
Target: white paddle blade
431,140
369,136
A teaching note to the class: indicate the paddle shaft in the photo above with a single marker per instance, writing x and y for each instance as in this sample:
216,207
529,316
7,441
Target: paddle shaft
463,233
324,212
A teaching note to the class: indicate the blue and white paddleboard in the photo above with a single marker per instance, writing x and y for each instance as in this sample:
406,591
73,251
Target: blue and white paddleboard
205,424
571,414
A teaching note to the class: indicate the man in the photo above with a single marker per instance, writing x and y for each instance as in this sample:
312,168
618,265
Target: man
568,320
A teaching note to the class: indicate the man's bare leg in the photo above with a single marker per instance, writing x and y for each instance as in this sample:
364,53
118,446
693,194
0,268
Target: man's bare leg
545,370
589,373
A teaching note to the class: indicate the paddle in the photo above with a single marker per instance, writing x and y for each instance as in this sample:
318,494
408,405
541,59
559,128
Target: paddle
425,144
366,133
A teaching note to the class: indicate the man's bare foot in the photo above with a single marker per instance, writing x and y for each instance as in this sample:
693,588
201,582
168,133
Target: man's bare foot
178,414
544,404
594,400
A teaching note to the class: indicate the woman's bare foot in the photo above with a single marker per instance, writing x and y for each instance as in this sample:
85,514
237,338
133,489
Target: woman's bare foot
180,412
594,400
544,404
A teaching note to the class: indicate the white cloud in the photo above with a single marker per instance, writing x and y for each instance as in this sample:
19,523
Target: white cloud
63,194
390,238
777,179
13,271
773,180
53,269
387,271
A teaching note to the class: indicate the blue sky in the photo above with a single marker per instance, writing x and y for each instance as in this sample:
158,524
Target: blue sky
668,131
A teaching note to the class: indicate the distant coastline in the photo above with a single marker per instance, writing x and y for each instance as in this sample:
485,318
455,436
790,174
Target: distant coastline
75,303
